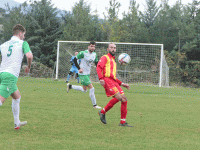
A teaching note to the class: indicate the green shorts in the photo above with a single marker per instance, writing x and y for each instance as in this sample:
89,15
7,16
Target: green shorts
7,84
85,79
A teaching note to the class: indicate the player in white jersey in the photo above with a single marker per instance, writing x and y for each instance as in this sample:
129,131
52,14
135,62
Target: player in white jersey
87,58
12,53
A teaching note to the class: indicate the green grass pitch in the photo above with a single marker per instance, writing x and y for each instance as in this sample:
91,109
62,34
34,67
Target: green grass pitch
163,118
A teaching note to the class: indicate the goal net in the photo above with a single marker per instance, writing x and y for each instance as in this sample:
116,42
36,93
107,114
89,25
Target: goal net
147,66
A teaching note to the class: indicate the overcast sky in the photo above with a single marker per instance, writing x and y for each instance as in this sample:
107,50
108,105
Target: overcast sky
100,5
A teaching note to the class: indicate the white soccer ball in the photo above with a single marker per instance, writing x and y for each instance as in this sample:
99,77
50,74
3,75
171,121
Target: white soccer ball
124,59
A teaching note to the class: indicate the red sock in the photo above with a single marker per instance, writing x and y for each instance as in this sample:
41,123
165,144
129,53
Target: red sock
123,112
110,104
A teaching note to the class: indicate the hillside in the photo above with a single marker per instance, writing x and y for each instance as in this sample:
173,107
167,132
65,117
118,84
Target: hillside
11,3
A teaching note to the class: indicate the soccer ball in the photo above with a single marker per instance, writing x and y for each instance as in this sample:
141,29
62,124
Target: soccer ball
124,59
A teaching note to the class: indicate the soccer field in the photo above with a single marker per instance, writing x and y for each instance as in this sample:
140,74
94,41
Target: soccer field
163,118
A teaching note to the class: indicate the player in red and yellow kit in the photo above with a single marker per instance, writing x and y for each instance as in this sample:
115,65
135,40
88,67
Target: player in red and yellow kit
106,70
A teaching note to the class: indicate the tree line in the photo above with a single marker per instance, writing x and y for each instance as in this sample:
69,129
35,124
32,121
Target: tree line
177,27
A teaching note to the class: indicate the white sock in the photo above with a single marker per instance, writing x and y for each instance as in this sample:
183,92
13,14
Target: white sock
79,88
92,96
0,103
15,110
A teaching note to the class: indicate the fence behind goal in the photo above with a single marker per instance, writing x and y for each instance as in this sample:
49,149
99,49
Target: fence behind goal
148,65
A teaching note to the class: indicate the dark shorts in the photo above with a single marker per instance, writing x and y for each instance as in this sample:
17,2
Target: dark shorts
112,87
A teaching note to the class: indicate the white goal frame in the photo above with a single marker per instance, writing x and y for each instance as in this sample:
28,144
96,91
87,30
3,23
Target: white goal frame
162,57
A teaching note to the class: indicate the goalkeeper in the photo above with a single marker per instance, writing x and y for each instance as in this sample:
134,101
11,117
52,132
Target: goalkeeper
73,69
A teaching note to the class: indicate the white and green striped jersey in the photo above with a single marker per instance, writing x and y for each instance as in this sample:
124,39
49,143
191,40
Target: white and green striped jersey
12,53
87,59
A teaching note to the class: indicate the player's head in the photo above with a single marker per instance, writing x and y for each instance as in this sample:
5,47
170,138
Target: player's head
19,31
76,53
111,48
91,46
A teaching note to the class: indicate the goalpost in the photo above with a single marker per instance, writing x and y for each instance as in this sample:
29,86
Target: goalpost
147,67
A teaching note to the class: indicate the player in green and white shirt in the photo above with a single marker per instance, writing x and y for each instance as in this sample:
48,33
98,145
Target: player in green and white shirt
88,57
12,53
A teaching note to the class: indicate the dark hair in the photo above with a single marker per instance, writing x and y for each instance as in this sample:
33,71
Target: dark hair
92,43
18,28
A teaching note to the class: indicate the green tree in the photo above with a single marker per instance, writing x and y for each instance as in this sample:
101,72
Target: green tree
162,25
111,25
2,14
150,14
43,31
12,17
96,23
192,47
149,18
80,25
193,9
42,27
133,29
182,27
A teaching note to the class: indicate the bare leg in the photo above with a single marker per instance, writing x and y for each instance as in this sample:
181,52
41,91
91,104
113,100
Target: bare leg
16,95
2,100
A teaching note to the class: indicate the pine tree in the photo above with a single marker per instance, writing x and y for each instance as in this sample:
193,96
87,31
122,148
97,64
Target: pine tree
111,25
43,31
80,25
149,17
134,30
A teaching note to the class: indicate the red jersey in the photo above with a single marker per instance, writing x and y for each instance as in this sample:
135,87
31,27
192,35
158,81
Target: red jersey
106,67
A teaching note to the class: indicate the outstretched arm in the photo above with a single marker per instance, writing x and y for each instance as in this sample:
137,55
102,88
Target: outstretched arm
125,85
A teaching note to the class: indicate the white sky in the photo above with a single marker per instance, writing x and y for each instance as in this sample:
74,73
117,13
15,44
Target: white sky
101,5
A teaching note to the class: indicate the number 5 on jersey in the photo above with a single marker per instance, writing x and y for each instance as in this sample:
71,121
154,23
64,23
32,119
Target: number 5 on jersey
10,50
